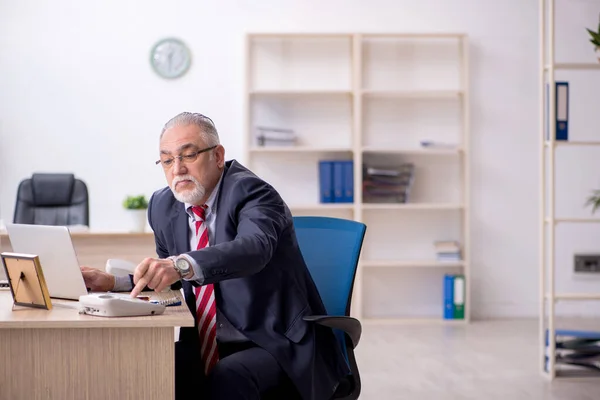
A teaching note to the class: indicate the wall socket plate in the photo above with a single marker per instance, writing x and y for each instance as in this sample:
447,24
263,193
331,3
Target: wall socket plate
587,263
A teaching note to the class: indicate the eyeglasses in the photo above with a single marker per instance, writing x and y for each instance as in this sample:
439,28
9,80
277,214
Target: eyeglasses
184,158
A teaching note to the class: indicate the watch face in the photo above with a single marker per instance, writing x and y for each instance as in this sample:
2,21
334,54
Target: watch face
170,58
183,264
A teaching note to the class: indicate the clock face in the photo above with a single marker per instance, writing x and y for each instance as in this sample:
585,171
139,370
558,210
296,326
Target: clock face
170,58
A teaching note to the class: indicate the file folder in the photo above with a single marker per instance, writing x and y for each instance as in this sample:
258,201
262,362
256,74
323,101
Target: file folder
459,297
448,296
326,181
338,181
562,110
348,178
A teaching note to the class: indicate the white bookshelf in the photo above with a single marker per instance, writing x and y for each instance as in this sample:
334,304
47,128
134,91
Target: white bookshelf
371,98
555,226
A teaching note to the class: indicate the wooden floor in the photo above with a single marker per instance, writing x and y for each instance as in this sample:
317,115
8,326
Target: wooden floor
485,360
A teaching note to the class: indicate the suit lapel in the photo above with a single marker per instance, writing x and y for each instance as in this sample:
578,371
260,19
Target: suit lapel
180,229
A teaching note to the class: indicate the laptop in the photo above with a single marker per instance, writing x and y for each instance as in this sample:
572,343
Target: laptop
53,246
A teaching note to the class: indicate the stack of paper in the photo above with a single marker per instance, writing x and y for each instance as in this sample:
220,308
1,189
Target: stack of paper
387,185
270,136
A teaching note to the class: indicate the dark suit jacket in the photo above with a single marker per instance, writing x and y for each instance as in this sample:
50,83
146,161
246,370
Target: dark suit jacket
262,284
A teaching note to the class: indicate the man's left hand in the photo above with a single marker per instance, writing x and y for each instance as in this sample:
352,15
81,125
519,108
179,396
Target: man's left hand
156,273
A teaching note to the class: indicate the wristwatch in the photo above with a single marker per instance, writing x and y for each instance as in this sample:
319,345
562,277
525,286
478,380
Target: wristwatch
183,266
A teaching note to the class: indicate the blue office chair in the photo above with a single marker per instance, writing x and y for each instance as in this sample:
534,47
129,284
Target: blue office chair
331,248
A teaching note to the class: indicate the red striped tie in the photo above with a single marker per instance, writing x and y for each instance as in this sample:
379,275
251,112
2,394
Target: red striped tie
206,309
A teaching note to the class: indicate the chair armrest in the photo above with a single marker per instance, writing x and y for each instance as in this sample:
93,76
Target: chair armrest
351,326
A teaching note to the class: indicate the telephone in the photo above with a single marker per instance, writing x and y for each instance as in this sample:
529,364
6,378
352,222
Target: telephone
115,305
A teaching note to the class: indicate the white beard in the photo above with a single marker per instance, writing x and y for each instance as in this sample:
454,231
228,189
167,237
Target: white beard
192,196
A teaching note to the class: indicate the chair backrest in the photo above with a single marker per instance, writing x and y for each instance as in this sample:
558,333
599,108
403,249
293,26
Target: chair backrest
52,199
331,249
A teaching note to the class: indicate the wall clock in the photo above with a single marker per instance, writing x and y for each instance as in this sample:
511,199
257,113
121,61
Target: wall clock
170,58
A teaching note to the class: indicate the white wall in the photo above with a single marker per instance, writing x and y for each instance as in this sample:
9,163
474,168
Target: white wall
77,94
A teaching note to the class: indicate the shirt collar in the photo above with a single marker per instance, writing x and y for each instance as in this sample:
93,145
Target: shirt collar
210,202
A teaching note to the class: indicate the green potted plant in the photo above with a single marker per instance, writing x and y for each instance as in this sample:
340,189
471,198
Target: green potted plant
594,200
595,40
136,206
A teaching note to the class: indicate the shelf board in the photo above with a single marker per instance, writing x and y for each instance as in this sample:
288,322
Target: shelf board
417,94
575,296
574,220
574,66
416,151
411,264
299,149
325,206
415,35
567,143
347,35
293,92
412,206
300,35
409,321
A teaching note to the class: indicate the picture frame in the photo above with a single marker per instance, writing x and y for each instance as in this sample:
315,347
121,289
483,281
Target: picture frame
26,280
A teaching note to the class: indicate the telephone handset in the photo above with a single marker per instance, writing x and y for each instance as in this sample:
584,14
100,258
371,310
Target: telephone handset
118,267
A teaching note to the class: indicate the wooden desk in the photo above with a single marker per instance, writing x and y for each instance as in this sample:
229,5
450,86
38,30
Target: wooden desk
61,354
94,248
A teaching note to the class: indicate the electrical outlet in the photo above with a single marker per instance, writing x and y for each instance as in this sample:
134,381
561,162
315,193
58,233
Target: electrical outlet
587,263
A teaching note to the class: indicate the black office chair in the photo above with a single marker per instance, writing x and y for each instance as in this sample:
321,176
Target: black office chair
52,199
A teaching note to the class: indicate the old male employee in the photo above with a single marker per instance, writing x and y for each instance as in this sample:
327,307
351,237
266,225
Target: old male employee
228,237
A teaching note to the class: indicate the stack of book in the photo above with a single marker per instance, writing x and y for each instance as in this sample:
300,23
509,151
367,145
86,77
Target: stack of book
270,136
387,185
576,350
447,251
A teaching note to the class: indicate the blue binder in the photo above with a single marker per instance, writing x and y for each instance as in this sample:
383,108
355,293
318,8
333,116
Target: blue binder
348,185
338,181
448,296
561,111
326,181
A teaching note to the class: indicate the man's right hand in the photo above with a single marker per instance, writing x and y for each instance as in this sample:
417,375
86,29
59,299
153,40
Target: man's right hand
96,280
